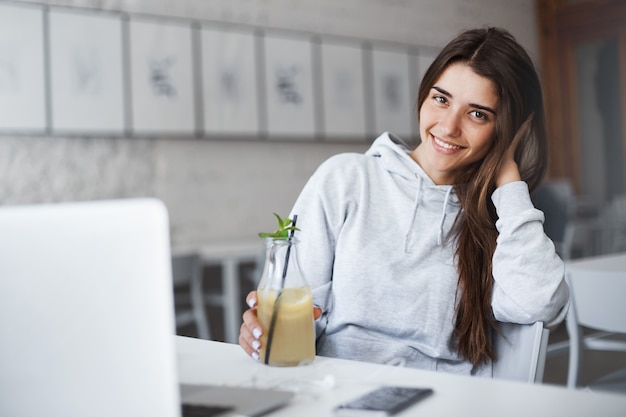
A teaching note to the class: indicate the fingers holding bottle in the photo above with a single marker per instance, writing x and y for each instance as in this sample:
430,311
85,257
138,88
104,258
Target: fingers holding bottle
250,332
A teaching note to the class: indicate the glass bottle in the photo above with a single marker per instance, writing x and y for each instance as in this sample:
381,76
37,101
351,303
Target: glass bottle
285,307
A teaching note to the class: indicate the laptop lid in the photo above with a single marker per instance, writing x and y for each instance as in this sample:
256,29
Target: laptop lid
86,310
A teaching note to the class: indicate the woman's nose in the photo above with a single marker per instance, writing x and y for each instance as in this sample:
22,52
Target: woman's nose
450,123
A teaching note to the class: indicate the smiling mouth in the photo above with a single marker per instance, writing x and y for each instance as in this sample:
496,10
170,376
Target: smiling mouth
445,145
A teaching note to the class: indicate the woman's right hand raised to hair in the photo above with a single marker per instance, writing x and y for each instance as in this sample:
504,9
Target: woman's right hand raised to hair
251,331
509,171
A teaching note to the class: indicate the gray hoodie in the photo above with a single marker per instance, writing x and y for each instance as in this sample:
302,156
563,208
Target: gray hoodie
373,247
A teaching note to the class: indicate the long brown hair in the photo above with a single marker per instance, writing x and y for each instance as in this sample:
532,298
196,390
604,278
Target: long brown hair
492,53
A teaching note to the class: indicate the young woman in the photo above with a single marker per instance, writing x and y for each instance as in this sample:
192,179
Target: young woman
414,255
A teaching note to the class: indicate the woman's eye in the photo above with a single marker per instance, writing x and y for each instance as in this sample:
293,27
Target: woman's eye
440,99
479,115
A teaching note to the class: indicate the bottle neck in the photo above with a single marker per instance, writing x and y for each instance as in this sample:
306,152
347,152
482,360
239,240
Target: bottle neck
282,268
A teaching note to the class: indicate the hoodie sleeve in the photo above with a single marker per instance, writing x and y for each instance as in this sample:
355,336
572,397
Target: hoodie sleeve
529,284
321,208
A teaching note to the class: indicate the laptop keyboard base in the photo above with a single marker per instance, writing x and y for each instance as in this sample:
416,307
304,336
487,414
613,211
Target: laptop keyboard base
192,410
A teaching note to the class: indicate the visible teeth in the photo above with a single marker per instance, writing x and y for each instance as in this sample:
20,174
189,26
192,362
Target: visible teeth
446,145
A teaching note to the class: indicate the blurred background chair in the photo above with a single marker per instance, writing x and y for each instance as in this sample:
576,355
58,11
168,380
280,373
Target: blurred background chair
598,304
189,294
520,352
557,201
574,223
613,225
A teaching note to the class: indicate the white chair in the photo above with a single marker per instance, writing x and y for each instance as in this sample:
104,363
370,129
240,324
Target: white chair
598,303
521,352
189,293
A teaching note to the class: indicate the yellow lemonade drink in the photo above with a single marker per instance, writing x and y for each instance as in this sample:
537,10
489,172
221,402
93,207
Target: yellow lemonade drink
293,341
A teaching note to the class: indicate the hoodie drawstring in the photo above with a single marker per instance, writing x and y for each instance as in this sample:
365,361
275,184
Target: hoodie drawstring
409,232
443,217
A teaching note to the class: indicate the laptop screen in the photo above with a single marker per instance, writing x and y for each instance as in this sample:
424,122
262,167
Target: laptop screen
86,310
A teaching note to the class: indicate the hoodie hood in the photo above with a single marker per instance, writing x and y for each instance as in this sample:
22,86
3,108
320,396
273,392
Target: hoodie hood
395,158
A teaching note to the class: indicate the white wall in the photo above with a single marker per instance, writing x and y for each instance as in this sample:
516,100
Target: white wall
227,190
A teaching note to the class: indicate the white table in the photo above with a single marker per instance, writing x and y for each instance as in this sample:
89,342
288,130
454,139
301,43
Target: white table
327,382
611,262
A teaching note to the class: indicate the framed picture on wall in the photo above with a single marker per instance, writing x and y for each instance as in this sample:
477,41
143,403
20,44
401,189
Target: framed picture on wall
229,81
289,86
343,90
162,77
86,72
22,78
394,109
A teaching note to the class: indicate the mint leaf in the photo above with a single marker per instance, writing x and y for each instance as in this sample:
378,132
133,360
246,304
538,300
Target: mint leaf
284,227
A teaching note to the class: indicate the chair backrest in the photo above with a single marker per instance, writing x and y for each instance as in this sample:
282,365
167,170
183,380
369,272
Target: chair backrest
598,298
520,352
614,225
184,267
190,308
557,200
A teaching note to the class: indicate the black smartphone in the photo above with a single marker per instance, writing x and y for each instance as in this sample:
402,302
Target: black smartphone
383,401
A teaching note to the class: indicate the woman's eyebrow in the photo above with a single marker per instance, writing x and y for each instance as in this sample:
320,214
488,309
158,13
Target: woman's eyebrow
478,106
442,91
484,108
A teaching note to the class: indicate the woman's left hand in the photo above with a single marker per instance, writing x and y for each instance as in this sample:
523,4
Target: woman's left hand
509,171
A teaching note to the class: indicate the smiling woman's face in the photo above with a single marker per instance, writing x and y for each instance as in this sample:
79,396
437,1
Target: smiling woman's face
457,123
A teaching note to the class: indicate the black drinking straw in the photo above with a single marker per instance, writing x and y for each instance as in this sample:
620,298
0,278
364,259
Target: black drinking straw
270,335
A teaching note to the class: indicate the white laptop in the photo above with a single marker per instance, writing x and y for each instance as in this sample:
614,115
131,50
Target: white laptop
87,316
